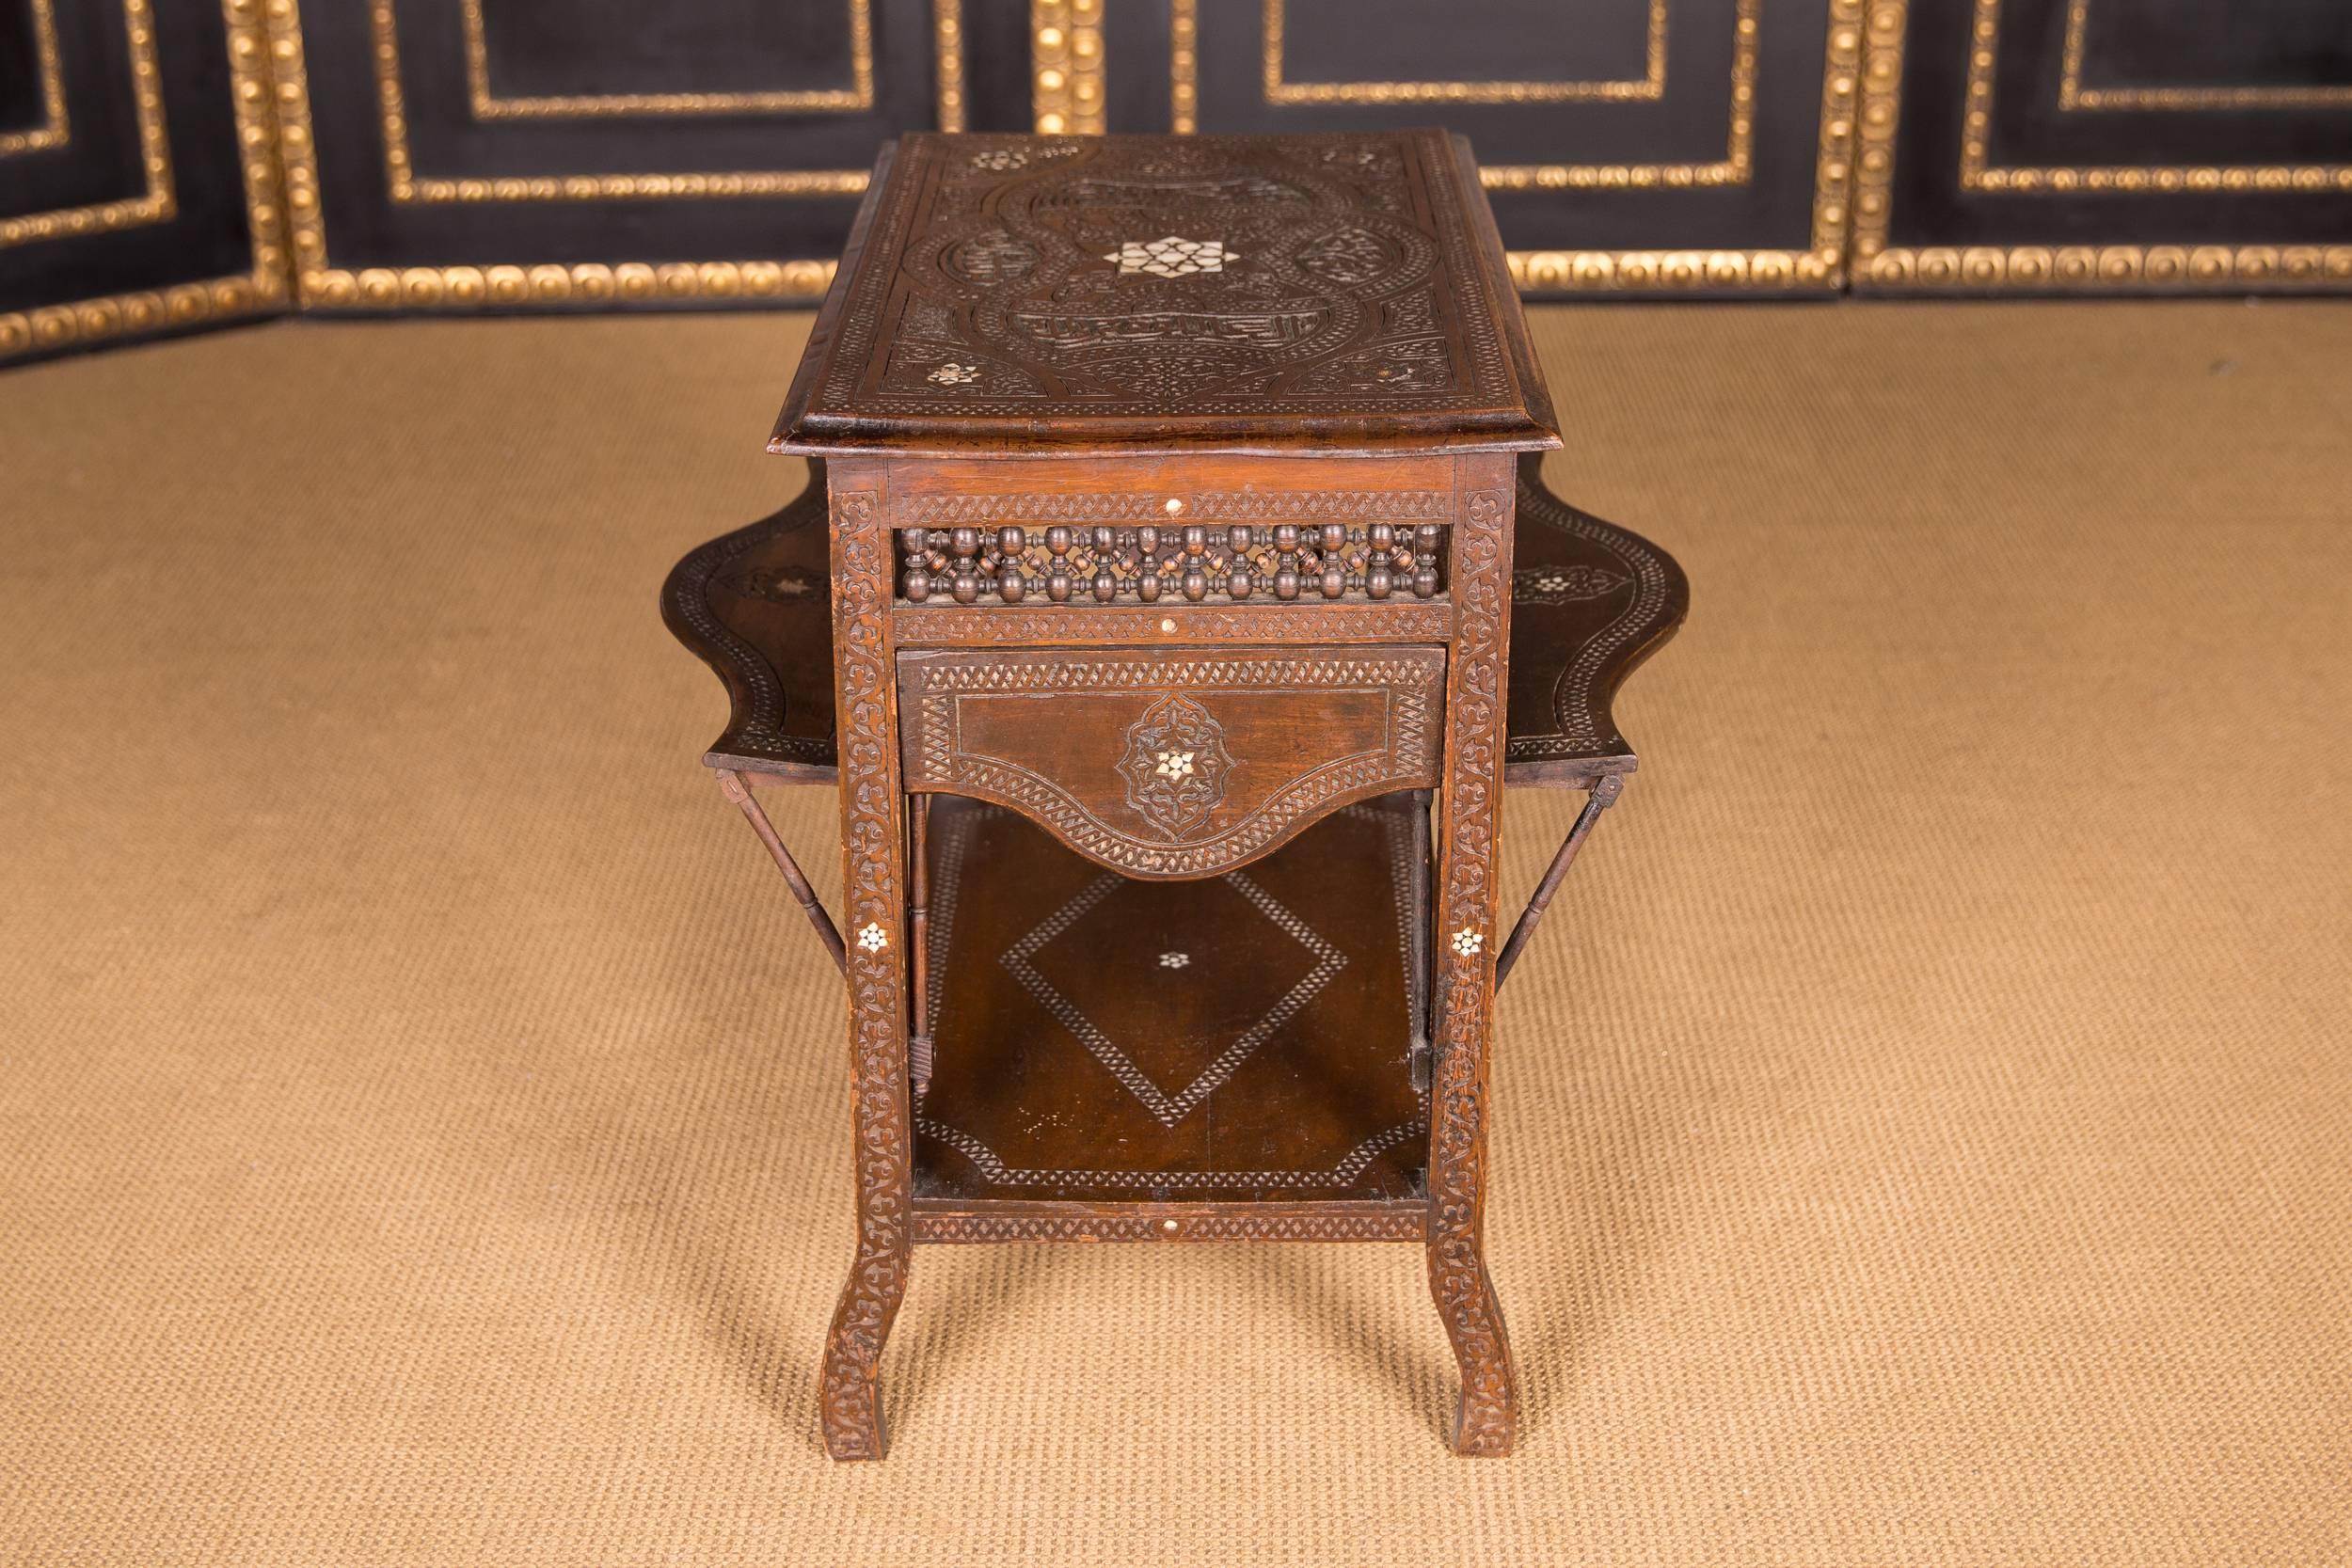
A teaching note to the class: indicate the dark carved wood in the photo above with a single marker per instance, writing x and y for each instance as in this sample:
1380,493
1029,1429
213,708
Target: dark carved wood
1175,626
943,1220
1168,766
1106,1040
755,606
1185,966
1486,1419
1589,601
873,839
1605,790
1195,561
735,787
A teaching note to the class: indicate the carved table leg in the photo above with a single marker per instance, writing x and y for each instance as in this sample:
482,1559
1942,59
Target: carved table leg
1604,794
873,844
1468,827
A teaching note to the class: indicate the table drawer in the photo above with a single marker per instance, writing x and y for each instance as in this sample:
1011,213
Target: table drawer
1173,765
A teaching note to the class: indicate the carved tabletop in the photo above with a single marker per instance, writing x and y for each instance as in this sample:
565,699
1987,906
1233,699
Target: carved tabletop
1142,291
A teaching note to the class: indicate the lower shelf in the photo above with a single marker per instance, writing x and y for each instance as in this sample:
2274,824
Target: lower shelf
1193,1047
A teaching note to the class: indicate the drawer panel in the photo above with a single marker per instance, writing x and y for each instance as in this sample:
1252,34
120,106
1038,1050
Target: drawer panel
1168,766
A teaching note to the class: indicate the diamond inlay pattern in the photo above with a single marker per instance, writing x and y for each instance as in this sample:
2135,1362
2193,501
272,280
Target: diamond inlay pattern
1322,960
1096,1035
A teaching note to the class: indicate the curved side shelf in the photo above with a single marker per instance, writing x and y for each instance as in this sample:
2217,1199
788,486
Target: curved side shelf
755,605
1589,602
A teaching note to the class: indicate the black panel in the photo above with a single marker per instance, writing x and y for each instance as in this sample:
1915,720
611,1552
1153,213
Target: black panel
100,160
21,104
559,47
2192,43
1615,119
2276,150
996,67
572,50
206,237
1511,41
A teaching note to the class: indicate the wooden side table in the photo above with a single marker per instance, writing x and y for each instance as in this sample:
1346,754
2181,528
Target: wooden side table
1168,488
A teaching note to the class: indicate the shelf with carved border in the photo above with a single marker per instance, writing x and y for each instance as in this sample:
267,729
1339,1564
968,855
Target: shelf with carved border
1226,1058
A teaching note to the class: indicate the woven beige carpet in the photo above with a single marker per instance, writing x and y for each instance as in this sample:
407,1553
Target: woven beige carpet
1924,1127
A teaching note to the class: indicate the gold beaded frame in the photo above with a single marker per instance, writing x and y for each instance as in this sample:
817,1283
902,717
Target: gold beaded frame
323,286
261,291
1877,264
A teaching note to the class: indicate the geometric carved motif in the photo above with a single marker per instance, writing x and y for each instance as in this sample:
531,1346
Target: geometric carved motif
1166,1107
1055,945
1010,562
1162,825
1175,764
1350,256
1171,257
1562,585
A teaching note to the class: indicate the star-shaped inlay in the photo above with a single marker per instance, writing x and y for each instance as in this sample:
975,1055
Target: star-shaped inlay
953,375
1467,941
873,938
1175,764
1171,257
1174,960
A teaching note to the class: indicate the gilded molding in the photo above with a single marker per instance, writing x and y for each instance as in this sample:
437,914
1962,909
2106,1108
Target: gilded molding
1977,173
1833,170
1067,68
157,203
947,42
138,312
853,99
1651,84
2043,268
2072,95
1600,271
1183,66
1879,112
402,182
54,129
1820,267
324,286
2114,266
1555,270
1733,168
125,315
550,285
